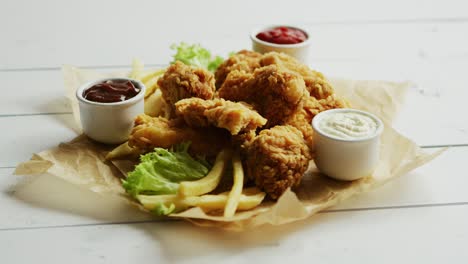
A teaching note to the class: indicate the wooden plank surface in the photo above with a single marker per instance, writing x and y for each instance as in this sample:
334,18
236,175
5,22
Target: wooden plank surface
24,135
418,218
92,42
418,235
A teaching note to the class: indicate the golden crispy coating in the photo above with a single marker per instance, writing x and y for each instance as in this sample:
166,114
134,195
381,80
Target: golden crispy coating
244,60
234,116
274,93
301,122
315,82
276,159
332,102
243,140
181,81
150,132
302,119
236,86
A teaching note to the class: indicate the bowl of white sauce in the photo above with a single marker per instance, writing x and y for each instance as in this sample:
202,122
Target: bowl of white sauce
347,143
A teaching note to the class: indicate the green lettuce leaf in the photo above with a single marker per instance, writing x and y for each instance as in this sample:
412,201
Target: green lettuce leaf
162,209
160,171
196,55
214,64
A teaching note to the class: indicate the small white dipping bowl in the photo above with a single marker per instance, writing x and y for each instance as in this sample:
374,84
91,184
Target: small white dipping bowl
109,123
346,159
299,51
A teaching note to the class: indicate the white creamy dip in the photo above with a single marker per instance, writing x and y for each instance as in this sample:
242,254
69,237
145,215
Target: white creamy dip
348,125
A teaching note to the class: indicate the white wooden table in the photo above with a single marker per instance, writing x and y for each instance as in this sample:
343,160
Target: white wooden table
419,218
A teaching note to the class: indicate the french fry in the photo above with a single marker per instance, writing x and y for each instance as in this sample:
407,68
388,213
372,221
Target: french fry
250,202
219,201
148,77
137,68
207,201
150,80
154,104
151,201
123,150
210,181
236,190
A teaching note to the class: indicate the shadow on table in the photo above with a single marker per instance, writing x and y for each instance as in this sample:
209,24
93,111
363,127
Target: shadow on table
59,108
68,121
179,239
52,193
182,241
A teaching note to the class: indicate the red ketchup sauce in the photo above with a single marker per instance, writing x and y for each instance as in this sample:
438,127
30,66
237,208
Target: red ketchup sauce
111,91
283,35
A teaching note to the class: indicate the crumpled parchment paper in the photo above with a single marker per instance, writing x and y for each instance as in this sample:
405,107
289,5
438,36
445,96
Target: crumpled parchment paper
82,162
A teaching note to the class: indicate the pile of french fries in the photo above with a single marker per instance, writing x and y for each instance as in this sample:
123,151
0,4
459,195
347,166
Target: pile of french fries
195,193
192,193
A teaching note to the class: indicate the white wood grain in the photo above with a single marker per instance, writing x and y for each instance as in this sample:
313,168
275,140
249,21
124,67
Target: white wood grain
33,93
419,235
77,33
37,91
44,200
24,135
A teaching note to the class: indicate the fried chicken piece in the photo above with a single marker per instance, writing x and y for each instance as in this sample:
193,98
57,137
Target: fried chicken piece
150,132
243,140
302,119
315,82
234,116
301,122
276,159
181,81
244,60
331,102
275,93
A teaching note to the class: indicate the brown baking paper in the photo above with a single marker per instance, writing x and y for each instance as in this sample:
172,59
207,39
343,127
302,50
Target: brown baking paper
82,162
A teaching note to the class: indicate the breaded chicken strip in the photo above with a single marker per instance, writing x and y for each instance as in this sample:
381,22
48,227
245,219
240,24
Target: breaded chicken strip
181,81
275,93
276,159
236,117
150,132
315,82
244,60
302,119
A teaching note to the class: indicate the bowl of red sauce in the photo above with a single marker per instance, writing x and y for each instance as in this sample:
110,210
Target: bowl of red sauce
108,108
291,40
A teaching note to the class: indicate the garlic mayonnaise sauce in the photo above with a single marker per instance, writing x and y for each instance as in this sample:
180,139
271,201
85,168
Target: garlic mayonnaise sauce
348,125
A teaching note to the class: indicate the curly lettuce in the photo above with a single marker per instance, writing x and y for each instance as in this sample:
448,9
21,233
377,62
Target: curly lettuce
160,172
196,55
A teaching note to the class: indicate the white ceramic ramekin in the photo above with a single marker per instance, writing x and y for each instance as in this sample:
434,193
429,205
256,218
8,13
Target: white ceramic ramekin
299,51
109,123
346,159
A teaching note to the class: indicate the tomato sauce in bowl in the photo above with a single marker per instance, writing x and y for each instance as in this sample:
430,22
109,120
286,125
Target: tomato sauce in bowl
291,40
283,35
